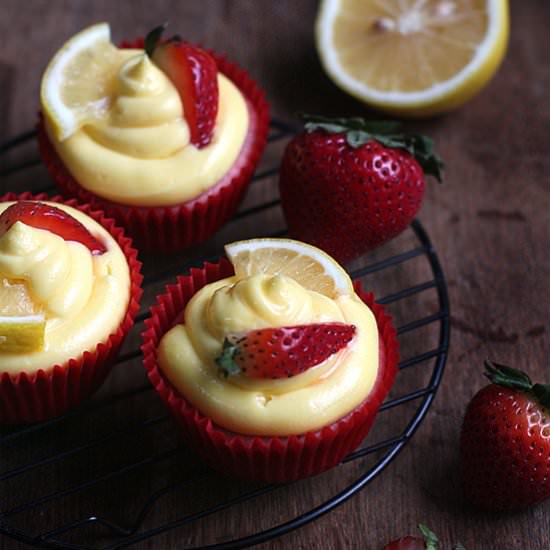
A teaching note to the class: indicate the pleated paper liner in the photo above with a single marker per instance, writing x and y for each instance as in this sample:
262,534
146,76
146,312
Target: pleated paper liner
267,459
50,392
165,229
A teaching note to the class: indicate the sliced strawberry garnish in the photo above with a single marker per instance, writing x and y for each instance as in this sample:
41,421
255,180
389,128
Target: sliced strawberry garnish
283,352
45,216
194,73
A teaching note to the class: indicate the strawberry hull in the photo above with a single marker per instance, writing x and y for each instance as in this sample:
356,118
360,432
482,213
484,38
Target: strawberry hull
267,459
166,229
47,393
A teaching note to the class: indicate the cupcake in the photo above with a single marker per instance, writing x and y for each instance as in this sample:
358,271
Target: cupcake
273,364
69,292
161,135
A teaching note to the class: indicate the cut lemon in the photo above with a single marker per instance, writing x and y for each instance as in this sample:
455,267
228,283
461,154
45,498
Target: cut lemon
311,267
78,83
22,326
412,57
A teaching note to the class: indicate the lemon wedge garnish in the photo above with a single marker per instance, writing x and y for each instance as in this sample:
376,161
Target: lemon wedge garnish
412,57
306,264
78,83
22,326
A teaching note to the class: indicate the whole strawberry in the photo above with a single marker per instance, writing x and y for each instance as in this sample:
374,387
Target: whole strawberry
505,442
283,352
348,185
428,541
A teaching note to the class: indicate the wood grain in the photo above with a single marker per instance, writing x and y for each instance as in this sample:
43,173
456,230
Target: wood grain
489,223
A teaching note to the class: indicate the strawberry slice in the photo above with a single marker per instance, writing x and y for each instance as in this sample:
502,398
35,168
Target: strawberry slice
282,352
45,216
194,73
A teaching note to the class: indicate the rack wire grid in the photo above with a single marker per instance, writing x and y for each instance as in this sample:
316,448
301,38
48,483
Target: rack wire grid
115,473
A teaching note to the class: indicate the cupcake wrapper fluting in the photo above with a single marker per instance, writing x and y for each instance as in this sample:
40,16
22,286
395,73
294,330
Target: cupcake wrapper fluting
164,229
32,397
267,459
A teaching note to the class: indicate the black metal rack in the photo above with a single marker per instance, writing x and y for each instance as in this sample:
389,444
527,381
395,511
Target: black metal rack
33,454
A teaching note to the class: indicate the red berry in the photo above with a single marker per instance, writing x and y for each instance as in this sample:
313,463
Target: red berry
347,199
283,352
505,442
194,73
51,218
427,542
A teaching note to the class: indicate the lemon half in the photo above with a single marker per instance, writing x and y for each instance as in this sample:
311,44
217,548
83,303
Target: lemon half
306,264
412,57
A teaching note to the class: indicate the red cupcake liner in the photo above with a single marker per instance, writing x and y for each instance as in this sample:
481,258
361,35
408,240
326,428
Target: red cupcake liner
165,229
266,459
47,393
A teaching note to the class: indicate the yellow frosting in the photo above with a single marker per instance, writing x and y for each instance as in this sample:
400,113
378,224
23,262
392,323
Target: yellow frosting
84,297
137,152
282,407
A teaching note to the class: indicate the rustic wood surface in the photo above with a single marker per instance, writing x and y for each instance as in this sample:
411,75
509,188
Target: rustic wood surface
489,223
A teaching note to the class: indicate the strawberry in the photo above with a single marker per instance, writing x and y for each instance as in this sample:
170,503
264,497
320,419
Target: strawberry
194,73
505,442
282,352
427,542
45,216
348,185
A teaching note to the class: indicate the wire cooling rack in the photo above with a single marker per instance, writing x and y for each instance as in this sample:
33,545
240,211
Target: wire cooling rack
114,473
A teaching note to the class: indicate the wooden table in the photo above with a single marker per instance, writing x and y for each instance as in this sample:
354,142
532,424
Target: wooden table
489,223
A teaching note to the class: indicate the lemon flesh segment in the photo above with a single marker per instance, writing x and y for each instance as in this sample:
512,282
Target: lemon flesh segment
412,57
306,264
22,325
78,84
22,334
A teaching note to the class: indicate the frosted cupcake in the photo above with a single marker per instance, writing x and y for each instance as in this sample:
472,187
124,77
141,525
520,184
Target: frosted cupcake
69,290
161,135
275,370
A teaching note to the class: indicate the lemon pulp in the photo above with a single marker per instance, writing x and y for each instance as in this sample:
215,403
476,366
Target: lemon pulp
79,81
22,325
412,57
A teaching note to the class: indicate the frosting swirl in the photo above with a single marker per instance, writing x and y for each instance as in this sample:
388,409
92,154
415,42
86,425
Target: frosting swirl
282,407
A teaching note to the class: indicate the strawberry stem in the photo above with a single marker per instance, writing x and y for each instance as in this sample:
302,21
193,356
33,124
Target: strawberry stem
152,39
429,537
360,131
515,379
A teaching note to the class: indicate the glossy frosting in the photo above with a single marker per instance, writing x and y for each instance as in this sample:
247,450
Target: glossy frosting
84,297
138,151
283,407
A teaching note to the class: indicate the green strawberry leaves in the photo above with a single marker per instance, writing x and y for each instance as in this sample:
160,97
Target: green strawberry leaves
360,131
226,360
515,379
429,537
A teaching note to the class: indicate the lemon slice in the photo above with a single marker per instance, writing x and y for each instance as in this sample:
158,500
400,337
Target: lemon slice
412,57
311,267
22,327
77,84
